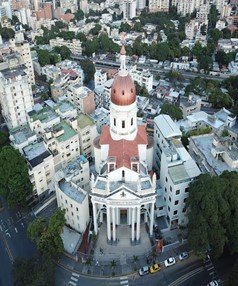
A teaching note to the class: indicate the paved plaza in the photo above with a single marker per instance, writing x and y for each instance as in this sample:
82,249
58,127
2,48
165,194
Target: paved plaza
123,249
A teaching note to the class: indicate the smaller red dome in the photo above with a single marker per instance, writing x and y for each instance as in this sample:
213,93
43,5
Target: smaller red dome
123,91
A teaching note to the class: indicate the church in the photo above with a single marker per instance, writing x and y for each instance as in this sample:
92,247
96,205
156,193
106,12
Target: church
124,190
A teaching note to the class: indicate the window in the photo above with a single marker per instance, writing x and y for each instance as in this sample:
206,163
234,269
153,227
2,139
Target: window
131,121
175,212
77,217
185,200
166,179
71,205
115,123
123,123
161,208
169,209
184,210
165,190
176,202
123,174
165,199
177,192
170,199
66,201
170,189
77,209
72,213
186,190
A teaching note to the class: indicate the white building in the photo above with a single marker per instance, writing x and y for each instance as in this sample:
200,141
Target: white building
128,8
40,167
72,186
228,45
123,189
143,78
100,77
75,45
15,96
102,94
23,48
177,170
233,66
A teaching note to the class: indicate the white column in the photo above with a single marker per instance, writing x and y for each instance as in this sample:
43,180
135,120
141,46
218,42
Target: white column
95,218
145,215
109,223
133,225
152,210
138,224
114,223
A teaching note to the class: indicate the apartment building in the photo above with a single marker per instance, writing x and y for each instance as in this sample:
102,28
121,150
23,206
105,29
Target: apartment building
176,170
15,96
71,185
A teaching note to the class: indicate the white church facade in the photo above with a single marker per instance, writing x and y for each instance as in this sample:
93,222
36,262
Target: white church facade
124,190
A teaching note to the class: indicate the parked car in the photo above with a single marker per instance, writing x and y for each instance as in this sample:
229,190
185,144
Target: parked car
213,283
144,270
169,262
183,255
155,268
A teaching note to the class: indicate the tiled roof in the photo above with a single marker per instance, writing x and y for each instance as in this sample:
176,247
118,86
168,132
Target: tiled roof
123,150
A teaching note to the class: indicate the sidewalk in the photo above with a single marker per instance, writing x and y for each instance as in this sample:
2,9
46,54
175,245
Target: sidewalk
104,268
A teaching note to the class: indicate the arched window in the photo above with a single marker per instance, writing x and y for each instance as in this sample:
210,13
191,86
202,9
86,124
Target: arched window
123,124
115,123
131,121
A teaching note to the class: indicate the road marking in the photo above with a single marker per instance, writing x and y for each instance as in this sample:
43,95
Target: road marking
210,268
125,282
22,224
123,278
75,274
1,227
16,230
186,276
72,283
8,249
74,279
7,233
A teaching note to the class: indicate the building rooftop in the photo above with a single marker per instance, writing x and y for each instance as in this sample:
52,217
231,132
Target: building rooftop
35,153
84,121
167,126
45,114
68,131
21,133
204,143
14,73
72,191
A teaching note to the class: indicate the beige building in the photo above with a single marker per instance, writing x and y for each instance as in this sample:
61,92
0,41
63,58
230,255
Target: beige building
74,45
82,97
159,5
71,186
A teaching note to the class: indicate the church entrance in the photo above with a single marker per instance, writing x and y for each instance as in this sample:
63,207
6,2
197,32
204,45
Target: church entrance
123,216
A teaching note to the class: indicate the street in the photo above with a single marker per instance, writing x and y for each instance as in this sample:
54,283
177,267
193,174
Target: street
13,241
191,271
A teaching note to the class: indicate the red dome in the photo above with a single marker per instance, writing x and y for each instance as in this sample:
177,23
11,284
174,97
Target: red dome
123,91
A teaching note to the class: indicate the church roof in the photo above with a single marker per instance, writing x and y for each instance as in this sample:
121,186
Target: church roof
123,150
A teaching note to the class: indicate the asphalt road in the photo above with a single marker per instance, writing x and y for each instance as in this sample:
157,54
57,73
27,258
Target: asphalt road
13,242
186,273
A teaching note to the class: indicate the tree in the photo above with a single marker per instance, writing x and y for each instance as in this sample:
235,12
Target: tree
89,70
43,57
4,140
15,185
221,58
215,35
219,99
7,33
226,33
64,52
137,26
173,111
203,29
95,31
47,235
79,15
68,11
212,17
231,84
81,37
125,27
212,214
163,51
60,24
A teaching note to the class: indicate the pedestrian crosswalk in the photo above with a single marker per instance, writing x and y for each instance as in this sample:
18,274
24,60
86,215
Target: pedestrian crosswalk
73,279
124,281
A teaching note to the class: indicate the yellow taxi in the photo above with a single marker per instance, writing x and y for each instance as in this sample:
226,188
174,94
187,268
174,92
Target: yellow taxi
155,268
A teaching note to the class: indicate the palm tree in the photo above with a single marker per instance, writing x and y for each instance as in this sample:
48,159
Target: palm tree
113,265
89,264
135,259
